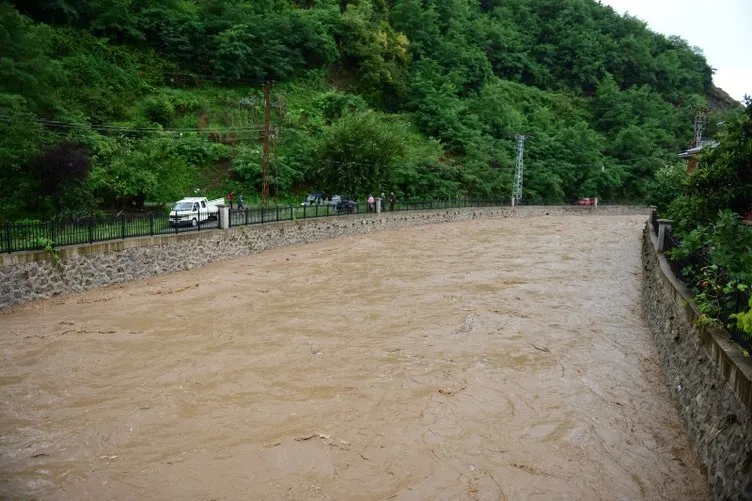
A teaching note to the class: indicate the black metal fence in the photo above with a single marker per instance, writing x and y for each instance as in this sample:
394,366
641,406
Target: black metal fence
23,236
690,270
261,215
40,235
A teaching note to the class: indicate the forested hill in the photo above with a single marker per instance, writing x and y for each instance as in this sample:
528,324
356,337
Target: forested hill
111,103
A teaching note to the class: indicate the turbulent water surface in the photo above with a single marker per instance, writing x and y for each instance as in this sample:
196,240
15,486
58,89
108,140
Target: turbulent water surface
497,359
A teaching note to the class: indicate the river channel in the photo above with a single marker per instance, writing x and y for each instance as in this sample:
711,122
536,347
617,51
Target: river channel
479,360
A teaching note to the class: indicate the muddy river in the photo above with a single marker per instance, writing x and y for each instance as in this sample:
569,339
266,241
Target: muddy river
498,359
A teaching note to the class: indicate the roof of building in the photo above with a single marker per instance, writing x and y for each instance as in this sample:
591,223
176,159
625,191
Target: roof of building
697,149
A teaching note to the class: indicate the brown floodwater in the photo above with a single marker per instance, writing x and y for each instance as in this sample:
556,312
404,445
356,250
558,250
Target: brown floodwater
496,359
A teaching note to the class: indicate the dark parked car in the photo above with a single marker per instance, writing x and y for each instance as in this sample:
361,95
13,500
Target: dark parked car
313,199
346,206
321,199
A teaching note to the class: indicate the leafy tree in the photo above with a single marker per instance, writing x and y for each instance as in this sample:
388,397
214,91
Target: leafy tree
273,47
62,171
137,172
20,133
357,153
26,69
723,179
418,23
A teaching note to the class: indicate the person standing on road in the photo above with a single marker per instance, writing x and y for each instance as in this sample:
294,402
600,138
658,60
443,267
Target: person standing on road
370,203
241,204
229,198
392,201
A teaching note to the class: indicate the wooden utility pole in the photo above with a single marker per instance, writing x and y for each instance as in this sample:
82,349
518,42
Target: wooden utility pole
267,134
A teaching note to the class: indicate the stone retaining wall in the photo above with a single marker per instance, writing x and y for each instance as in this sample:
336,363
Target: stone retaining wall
34,275
707,374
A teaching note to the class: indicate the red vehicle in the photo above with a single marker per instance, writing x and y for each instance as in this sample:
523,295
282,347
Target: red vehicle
585,201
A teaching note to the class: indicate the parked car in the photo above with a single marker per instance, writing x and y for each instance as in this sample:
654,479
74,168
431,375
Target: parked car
191,211
346,205
313,199
320,199
585,201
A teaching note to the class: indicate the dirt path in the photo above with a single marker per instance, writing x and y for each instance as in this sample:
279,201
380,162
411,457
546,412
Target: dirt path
499,359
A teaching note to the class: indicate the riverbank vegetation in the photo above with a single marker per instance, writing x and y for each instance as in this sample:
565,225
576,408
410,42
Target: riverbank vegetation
113,104
708,208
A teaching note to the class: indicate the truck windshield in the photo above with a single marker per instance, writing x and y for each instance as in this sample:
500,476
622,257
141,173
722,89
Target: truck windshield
183,206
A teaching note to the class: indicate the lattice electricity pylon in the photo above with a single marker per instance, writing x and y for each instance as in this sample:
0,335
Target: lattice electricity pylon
701,125
518,174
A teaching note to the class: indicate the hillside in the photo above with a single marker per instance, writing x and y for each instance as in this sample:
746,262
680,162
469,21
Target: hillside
108,104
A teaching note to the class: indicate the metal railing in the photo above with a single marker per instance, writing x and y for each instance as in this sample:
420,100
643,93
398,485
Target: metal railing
262,215
690,268
24,236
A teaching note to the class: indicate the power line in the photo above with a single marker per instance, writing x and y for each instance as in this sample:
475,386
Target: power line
213,78
127,129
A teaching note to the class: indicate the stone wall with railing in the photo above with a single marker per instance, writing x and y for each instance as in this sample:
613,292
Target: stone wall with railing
26,276
709,376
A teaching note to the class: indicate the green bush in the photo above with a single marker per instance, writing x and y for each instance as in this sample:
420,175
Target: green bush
158,110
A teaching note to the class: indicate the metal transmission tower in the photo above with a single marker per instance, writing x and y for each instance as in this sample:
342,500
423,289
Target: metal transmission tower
701,125
518,175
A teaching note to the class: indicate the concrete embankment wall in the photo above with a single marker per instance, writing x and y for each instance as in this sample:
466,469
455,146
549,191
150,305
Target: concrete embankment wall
35,275
707,374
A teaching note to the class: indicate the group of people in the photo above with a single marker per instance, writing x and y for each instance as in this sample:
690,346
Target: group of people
372,202
231,198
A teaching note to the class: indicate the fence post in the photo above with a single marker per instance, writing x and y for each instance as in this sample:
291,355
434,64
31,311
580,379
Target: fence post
262,214
122,227
223,217
291,214
664,231
91,229
7,236
151,224
246,216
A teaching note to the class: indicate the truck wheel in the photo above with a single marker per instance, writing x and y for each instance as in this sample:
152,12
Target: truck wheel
194,222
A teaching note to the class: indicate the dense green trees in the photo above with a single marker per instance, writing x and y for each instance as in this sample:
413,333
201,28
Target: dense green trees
723,180
708,207
449,83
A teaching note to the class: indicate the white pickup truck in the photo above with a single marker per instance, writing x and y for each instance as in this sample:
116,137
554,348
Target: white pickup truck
194,210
